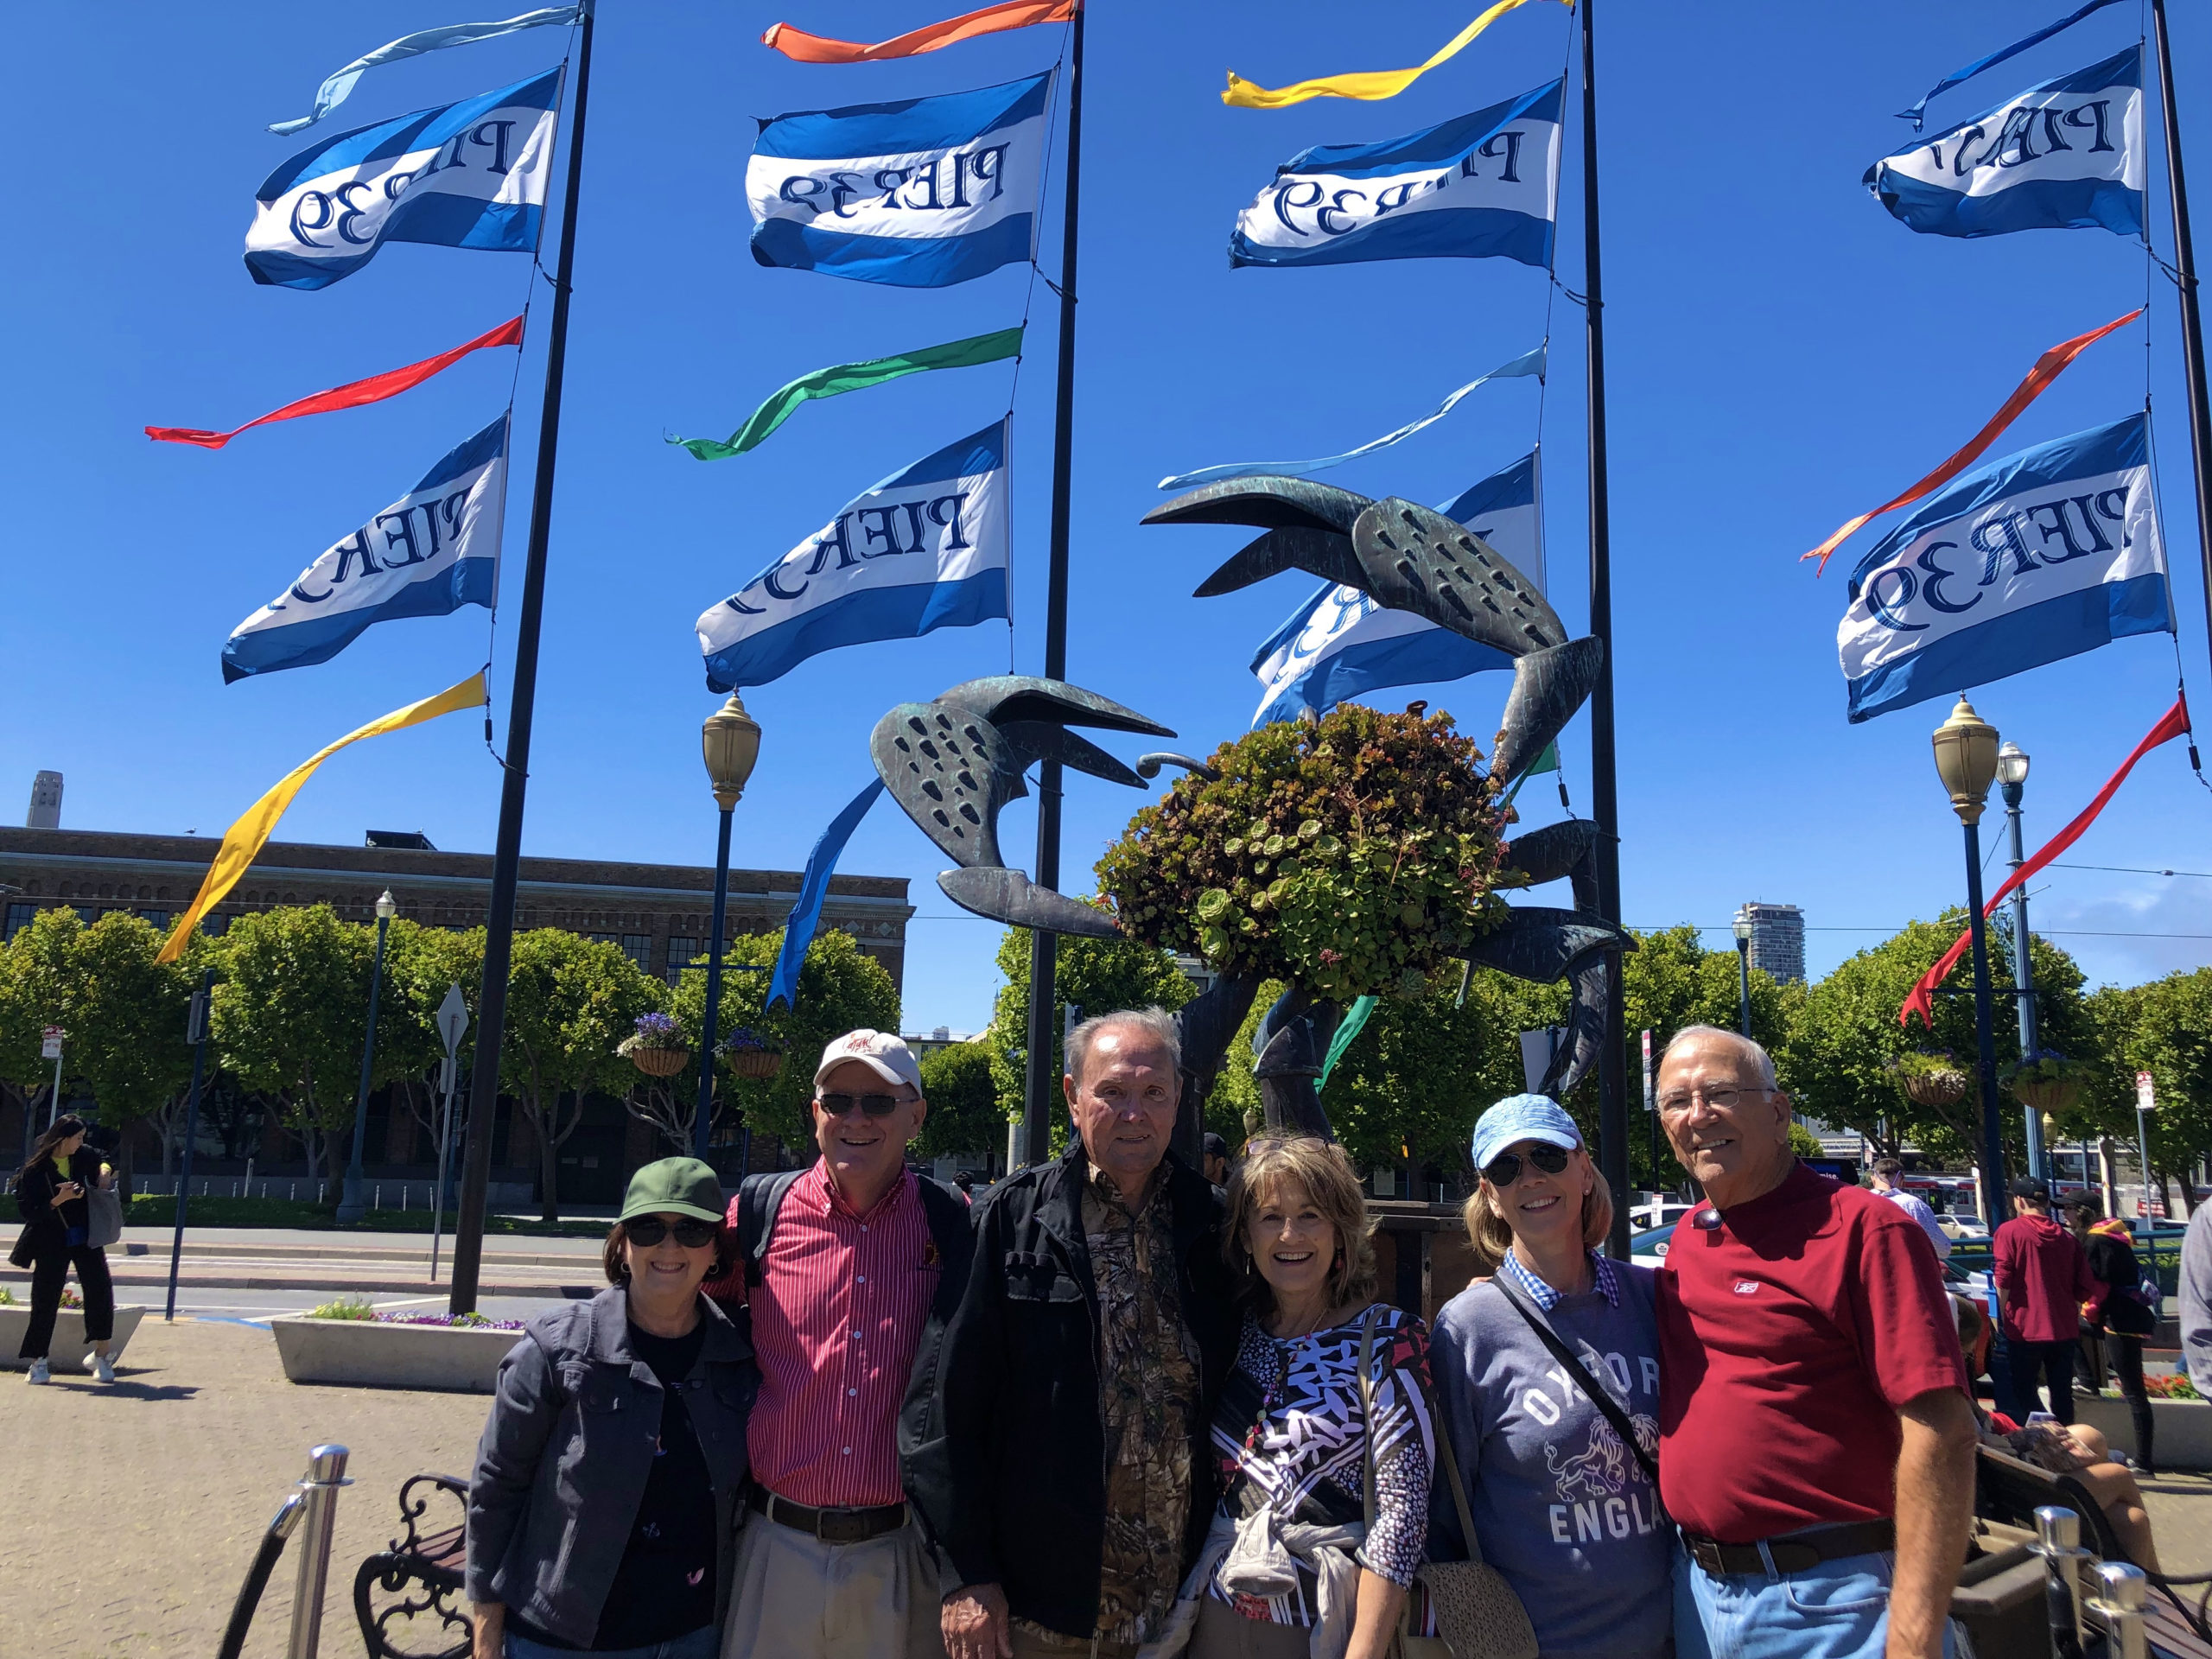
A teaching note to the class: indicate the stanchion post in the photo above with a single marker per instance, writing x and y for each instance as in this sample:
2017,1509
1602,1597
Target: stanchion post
326,1474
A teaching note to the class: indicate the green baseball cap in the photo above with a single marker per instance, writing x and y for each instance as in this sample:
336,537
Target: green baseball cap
673,1186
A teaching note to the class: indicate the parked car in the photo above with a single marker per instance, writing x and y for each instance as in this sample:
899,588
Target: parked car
1657,1213
1958,1227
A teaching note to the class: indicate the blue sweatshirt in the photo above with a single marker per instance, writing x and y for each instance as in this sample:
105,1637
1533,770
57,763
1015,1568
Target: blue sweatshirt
1560,1506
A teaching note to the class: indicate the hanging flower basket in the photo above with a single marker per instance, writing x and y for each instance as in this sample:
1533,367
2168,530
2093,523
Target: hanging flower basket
1930,1079
2049,1082
660,1062
656,1047
748,1056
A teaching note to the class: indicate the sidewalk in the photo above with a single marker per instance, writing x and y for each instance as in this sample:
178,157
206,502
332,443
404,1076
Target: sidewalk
256,1258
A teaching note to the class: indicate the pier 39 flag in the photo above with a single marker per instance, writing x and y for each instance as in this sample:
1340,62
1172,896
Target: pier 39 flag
470,175
1341,643
925,549
2064,154
1485,186
432,551
2043,554
924,193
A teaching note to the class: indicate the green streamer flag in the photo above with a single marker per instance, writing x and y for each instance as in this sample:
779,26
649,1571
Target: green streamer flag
854,377
1355,1021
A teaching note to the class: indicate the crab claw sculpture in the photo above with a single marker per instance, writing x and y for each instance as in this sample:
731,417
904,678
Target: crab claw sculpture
955,762
1409,557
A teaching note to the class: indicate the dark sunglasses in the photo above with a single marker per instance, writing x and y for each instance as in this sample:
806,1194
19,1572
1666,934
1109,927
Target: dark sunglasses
874,1105
645,1231
1505,1169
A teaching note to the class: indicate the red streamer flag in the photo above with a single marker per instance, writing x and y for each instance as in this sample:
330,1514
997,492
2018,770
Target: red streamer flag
2174,722
2052,364
802,48
374,390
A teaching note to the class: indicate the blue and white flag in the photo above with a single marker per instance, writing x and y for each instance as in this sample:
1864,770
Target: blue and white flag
925,549
2043,554
470,175
1485,186
2065,154
1340,643
924,193
432,551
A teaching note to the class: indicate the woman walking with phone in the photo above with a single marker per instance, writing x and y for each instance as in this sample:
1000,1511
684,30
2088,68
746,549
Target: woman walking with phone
51,1190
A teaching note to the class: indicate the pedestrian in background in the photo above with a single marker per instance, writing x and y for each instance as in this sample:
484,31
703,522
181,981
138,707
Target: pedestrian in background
1564,1506
851,1268
2042,1278
602,1512
2196,1299
1887,1173
53,1190
1816,1439
1215,1150
2121,1317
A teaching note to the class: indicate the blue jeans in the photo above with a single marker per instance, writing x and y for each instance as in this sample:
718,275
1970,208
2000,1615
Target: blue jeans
1838,1610
699,1644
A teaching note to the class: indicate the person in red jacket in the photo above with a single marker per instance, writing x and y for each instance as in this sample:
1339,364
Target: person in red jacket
2042,1278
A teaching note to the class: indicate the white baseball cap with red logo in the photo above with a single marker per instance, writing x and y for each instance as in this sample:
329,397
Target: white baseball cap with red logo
883,1052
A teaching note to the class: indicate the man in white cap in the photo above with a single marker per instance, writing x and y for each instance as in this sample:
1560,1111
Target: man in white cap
851,1267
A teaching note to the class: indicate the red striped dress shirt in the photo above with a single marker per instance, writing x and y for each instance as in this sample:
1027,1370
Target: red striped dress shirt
836,1317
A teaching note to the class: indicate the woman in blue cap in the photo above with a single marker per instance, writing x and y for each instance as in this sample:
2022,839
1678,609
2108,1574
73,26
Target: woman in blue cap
1563,1489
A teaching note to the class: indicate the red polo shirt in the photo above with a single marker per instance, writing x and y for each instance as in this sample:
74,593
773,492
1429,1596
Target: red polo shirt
1791,1329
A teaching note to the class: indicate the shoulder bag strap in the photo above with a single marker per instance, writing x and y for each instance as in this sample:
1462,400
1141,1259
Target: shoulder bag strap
1367,1412
1601,1397
1449,1459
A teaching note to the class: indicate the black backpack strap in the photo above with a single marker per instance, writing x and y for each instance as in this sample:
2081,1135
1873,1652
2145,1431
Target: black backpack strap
760,1199
1600,1395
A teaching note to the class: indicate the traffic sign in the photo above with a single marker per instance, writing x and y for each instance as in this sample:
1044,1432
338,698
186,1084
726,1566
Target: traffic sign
452,1018
2146,1093
49,1047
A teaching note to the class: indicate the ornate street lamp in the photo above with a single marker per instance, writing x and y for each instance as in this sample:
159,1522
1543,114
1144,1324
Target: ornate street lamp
351,1207
2011,774
1744,971
1966,760
731,742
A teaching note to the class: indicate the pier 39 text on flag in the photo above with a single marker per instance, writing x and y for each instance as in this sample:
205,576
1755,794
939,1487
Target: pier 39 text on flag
924,193
432,551
470,175
2067,154
925,549
1340,643
2045,554
1485,186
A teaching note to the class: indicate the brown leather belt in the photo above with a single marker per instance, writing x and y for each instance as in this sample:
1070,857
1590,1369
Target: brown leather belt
831,1526
1793,1552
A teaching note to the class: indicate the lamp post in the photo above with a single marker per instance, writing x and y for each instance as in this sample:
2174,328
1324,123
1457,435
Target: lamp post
2011,774
1965,759
730,740
1743,973
351,1207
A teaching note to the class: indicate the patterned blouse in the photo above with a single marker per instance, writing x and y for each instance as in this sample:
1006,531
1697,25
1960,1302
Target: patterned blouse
1306,1459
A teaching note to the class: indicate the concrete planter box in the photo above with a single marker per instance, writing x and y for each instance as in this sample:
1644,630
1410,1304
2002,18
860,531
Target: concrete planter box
69,1353
2183,1428
365,1353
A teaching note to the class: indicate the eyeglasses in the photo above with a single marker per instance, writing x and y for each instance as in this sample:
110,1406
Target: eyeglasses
874,1105
1721,1100
1505,1169
645,1231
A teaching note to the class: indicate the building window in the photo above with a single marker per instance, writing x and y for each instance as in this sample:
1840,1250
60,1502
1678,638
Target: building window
160,918
680,949
19,916
214,927
638,947
88,914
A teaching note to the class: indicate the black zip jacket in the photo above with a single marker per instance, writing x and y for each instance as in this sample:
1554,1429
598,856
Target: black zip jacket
46,1224
1001,1441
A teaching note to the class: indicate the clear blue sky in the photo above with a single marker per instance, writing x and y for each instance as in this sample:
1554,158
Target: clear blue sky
1781,353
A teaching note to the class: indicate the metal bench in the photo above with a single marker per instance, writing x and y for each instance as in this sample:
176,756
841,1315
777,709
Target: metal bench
418,1580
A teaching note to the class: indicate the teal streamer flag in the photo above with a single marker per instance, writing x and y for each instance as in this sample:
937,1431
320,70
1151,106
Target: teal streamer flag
335,91
839,377
1355,1021
1529,363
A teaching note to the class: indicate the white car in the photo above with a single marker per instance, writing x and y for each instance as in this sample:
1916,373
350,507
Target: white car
1961,1226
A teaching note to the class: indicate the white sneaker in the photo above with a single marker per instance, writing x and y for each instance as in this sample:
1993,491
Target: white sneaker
103,1368
40,1373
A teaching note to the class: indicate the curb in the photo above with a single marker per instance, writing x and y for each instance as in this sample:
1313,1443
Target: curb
337,1286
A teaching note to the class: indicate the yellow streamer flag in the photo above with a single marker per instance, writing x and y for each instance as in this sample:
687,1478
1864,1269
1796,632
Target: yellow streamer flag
1370,84
243,841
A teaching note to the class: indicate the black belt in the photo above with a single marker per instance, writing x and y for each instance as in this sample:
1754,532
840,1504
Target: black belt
1793,1552
831,1526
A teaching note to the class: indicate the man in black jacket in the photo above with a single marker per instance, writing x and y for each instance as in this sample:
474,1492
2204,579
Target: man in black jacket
1060,1460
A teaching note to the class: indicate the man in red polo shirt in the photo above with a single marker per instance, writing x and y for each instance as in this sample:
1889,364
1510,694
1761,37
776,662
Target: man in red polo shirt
1816,1442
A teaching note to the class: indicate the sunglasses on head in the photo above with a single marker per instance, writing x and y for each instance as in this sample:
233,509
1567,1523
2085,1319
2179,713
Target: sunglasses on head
1505,1169
874,1105
645,1231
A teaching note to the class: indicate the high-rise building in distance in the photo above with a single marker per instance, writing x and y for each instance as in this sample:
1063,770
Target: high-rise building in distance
1778,939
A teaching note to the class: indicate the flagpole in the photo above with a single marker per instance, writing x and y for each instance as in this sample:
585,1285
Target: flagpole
1040,1084
1605,805
500,918
2192,325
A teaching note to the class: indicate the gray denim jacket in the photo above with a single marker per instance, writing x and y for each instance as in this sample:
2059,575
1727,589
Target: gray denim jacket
563,1463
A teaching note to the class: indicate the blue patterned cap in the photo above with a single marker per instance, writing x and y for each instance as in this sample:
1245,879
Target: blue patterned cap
1523,1117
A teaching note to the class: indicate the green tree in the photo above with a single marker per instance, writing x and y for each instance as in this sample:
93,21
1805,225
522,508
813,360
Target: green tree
964,1115
2164,1028
421,964
38,987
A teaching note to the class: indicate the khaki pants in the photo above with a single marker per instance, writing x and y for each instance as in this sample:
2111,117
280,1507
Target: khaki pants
794,1597
1030,1643
1224,1633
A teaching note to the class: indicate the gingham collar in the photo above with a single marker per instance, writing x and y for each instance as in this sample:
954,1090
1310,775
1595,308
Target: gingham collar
1607,1281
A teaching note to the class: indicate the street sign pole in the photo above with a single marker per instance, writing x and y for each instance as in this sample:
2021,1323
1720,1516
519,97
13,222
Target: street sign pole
1651,1111
195,1033
2146,1101
50,1049
452,1022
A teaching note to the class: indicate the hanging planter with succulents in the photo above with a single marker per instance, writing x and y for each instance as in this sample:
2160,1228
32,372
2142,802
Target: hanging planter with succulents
1931,1080
656,1046
747,1054
2048,1083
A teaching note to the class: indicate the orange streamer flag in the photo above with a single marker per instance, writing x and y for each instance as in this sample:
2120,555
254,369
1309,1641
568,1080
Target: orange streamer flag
2171,726
243,841
2052,364
801,47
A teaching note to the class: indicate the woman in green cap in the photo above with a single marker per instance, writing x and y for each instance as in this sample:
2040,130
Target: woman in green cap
601,1516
